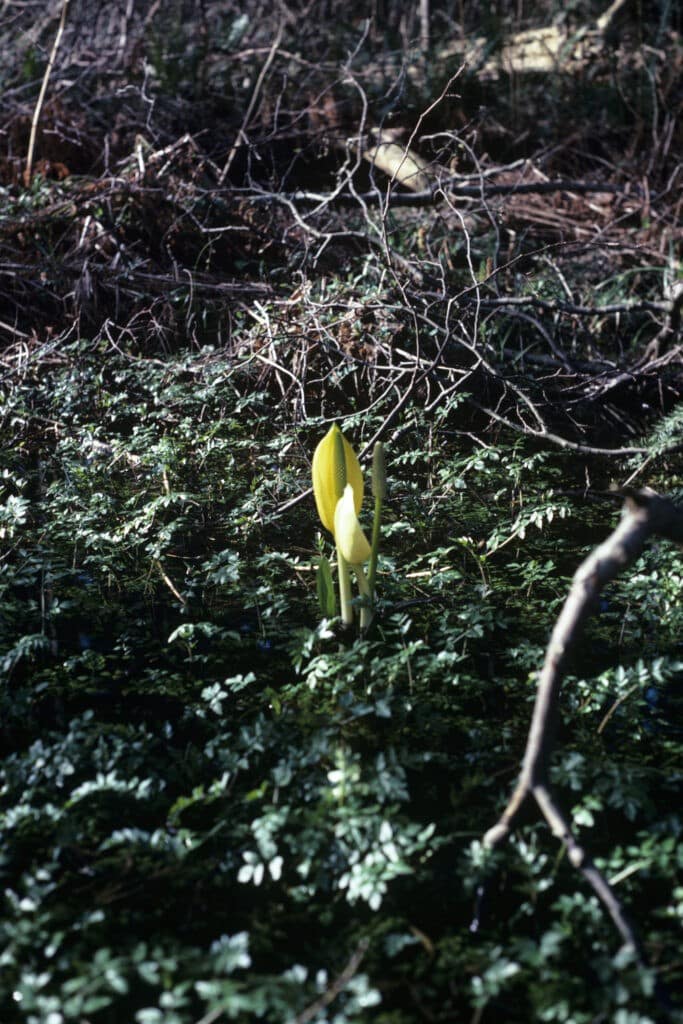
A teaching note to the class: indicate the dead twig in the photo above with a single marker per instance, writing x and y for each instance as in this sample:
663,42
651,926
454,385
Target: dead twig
337,986
41,96
561,442
449,188
646,514
240,137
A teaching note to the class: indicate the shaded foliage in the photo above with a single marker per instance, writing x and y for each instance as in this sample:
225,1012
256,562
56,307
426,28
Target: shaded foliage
219,800
212,807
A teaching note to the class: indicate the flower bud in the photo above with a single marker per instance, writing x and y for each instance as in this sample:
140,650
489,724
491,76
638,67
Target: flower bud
351,541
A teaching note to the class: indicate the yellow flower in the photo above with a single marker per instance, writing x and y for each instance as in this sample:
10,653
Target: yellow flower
351,541
334,466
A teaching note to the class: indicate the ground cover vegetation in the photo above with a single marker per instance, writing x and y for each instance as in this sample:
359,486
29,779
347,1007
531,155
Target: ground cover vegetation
223,228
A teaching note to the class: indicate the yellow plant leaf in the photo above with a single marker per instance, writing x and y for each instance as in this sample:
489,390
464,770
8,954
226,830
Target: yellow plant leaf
351,541
334,466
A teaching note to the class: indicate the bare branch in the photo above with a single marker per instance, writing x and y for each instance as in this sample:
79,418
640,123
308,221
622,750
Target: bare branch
252,103
43,89
336,987
646,514
451,188
561,442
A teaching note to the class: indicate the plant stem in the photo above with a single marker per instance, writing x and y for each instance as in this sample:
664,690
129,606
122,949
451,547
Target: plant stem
374,549
344,589
365,592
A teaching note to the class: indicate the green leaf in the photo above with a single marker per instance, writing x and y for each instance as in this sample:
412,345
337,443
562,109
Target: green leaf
325,587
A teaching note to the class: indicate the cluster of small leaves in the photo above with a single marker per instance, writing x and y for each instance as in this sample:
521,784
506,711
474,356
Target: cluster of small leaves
209,802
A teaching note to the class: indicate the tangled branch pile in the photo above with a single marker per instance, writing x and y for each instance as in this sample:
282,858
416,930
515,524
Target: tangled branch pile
372,221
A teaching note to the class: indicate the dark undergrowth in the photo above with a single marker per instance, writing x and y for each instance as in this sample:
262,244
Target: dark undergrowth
214,806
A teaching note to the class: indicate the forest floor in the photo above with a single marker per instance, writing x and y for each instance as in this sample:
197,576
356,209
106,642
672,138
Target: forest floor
217,237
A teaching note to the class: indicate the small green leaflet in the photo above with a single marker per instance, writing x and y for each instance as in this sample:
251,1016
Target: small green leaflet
325,587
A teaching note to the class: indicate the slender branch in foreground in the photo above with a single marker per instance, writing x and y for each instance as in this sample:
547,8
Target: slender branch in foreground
646,515
337,986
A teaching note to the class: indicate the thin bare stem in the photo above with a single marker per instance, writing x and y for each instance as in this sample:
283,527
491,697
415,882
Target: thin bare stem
646,514
28,173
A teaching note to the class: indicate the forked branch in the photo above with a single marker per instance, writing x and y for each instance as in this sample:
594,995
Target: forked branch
646,514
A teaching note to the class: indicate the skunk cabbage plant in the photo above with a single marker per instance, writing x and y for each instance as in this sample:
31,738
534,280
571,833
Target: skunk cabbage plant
334,465
338,491
351,540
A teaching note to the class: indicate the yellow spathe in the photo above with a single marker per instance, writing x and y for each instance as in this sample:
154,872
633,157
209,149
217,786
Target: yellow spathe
351,541
334,466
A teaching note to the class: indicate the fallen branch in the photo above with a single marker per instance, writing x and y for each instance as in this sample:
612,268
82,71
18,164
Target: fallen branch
646,515
561,442
572,309
443,189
